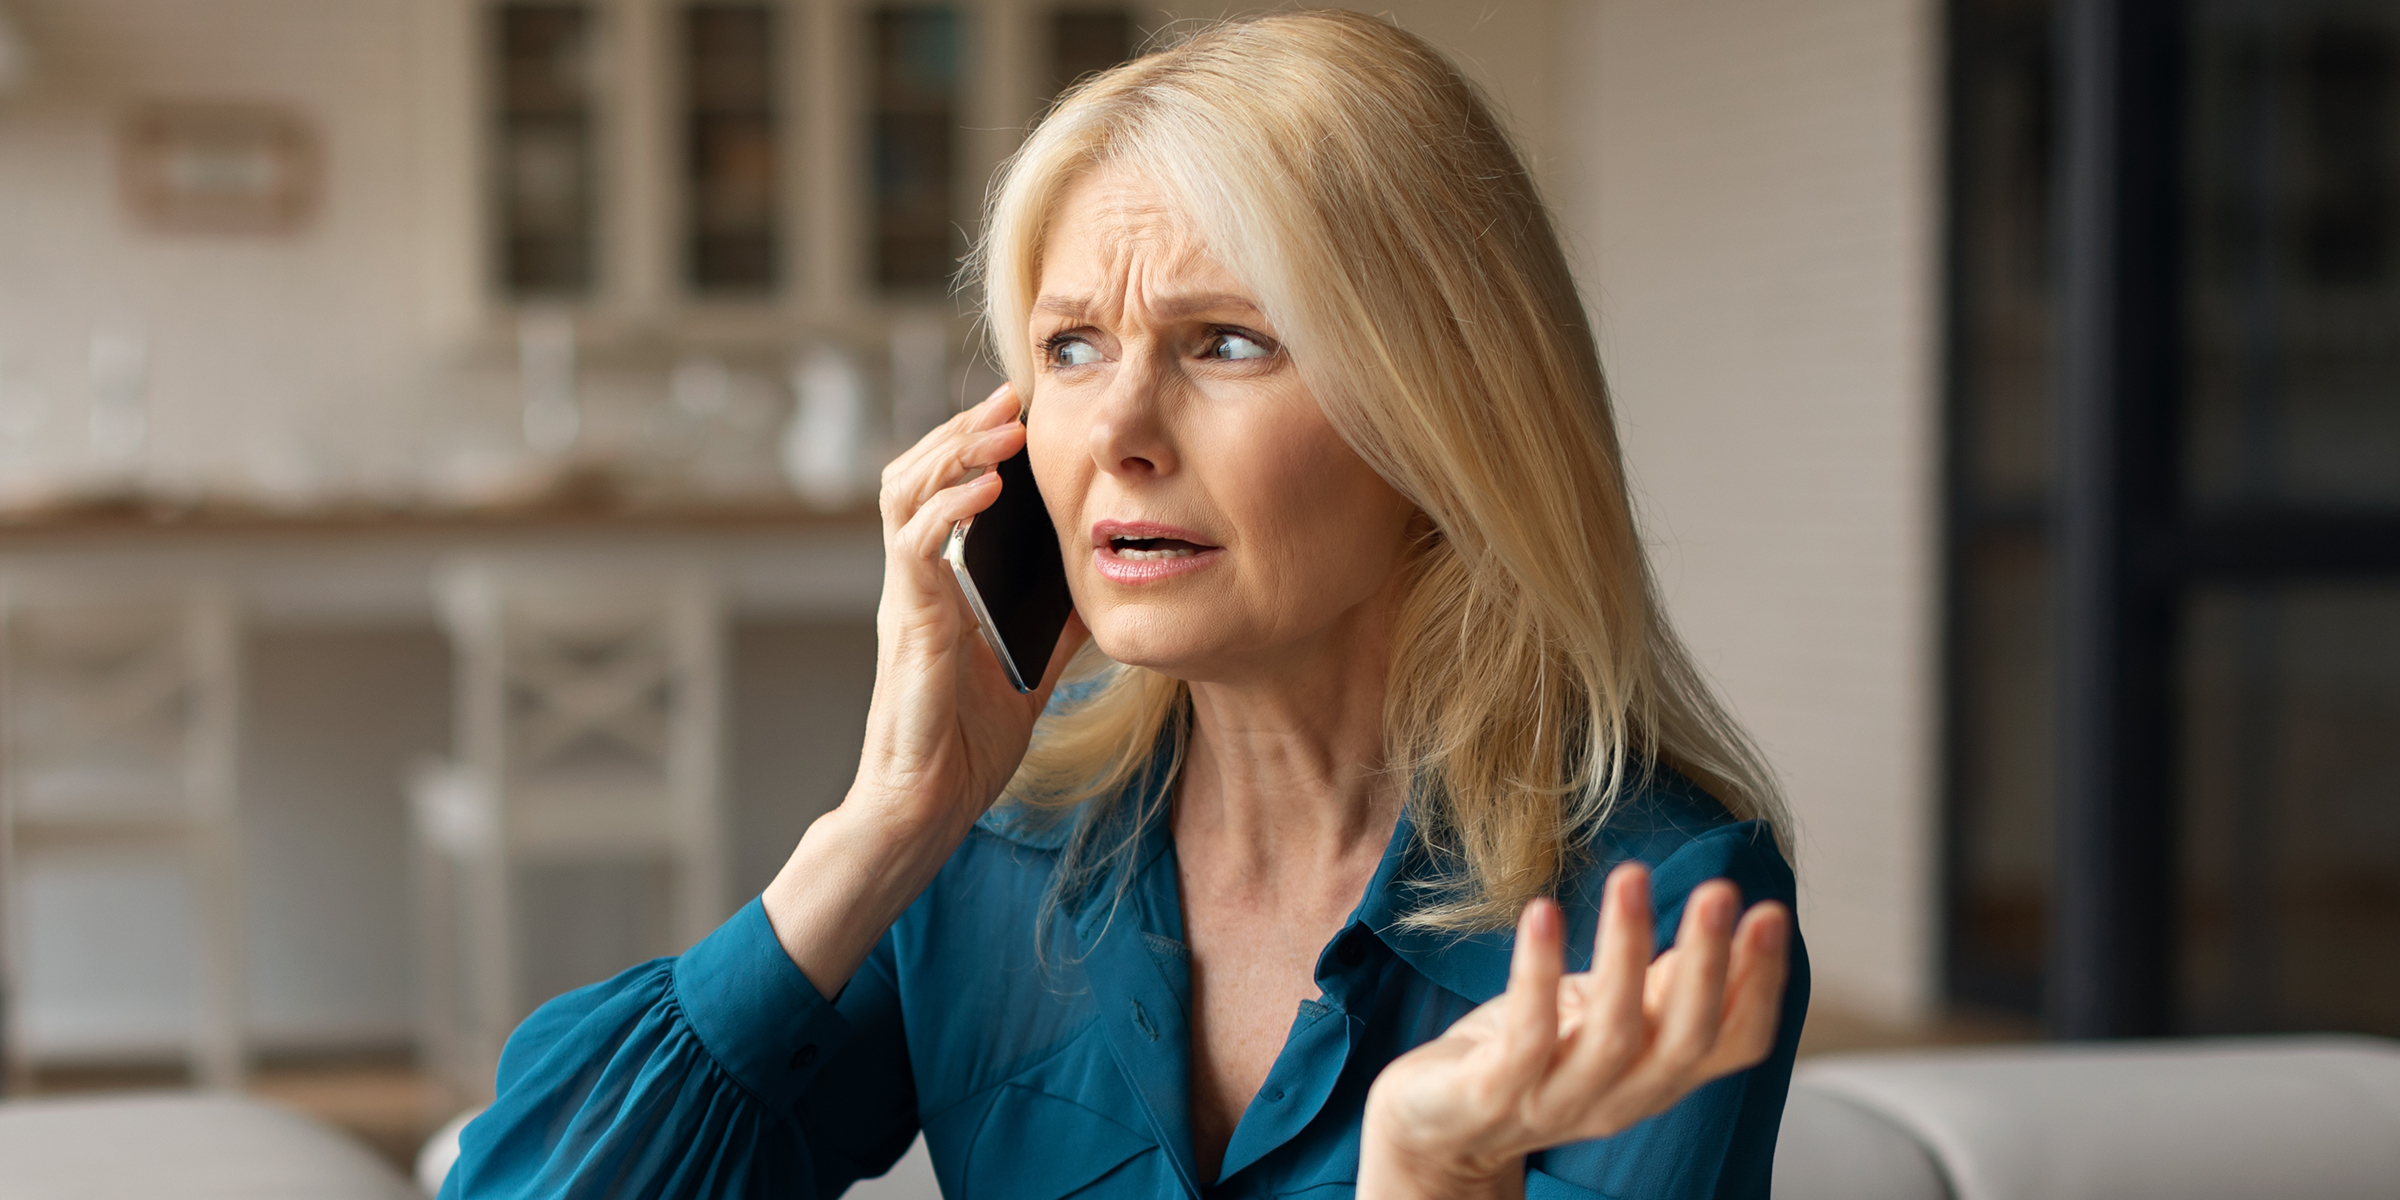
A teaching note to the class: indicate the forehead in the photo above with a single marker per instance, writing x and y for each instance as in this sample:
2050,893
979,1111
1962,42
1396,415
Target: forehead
1112,224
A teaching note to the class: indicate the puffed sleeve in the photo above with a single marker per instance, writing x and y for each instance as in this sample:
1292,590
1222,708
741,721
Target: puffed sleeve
1718,1143
720,1073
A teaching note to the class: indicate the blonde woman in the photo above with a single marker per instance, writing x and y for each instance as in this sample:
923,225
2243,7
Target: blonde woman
1344,857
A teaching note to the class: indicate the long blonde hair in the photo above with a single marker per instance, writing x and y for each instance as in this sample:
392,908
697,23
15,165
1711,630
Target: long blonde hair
1347,172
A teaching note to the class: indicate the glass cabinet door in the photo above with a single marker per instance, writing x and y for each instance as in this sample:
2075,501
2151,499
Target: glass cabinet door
545,147
731,157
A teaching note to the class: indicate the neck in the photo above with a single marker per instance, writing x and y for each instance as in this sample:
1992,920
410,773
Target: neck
1286,766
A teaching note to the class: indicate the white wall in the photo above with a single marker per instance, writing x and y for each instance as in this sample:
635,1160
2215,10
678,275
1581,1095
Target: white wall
1752,184
251,339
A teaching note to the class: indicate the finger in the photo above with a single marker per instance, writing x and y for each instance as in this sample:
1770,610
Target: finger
1613,1029
1754,990
1627,936
1684,1013
981,437
997,406
1694,1008
939,451
1621,948
1530,1022
955,463
922,538
982,415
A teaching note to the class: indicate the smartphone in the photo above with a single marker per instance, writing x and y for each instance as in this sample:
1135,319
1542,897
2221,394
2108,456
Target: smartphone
1007,562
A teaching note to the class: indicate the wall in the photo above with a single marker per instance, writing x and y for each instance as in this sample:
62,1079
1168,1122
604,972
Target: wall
253,341
1752,187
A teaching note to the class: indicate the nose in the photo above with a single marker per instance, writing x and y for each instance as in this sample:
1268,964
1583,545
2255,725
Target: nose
1130,437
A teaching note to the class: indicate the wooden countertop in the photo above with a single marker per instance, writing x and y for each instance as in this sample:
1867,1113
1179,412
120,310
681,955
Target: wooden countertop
102,520
357,563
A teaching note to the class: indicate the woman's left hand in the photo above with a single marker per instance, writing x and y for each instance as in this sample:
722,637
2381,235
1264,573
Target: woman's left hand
1561,1058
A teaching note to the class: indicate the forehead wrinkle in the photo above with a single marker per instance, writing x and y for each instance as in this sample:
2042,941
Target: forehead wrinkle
1132,280
1063,306
1132,237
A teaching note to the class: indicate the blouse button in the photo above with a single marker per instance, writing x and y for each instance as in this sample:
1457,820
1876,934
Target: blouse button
1353,949
804,1056
1141,1021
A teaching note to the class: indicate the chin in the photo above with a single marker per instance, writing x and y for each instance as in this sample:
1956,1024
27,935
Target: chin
1175,643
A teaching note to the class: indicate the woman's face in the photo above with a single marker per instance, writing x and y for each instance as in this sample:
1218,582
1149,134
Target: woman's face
1215,525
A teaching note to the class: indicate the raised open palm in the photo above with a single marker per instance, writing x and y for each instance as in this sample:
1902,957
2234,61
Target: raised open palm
1561,1058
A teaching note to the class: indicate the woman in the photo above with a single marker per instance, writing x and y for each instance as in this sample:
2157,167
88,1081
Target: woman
1365,668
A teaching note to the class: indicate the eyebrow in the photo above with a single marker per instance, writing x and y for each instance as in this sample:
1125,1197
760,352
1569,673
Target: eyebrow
1170,307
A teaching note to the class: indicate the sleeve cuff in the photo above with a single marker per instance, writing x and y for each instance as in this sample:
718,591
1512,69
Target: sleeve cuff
757,1015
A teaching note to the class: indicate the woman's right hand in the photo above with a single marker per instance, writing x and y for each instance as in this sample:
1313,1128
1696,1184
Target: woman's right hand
945,729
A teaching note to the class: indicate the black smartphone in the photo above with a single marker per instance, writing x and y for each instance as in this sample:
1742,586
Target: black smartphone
1007,562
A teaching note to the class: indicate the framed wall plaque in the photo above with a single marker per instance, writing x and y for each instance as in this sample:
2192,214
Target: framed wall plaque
219,167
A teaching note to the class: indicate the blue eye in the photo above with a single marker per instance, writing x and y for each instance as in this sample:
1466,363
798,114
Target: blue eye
1067,350
1230,345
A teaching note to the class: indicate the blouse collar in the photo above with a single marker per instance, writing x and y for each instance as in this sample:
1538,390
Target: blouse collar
1472,965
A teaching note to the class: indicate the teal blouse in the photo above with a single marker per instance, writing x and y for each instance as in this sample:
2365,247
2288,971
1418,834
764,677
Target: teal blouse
1062,1069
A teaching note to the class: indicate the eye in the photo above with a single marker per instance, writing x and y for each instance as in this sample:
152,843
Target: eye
1234,345
1068,350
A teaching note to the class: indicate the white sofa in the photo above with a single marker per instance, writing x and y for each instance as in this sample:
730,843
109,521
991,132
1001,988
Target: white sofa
2294,1118
182,1146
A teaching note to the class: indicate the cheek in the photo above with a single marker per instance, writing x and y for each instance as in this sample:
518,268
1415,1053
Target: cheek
1331,526
1054,445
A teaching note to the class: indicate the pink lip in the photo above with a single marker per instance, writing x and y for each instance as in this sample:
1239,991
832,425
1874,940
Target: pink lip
1124,570
1102,531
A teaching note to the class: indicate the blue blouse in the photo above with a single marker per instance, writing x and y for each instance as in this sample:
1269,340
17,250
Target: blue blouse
1063,1069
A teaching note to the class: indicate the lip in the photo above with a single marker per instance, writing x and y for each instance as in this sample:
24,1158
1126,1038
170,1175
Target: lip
1122,570
1103,531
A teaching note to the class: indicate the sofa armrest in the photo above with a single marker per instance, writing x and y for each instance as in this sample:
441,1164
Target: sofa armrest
2297,1118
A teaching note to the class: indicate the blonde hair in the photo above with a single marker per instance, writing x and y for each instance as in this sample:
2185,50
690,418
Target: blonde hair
1347,172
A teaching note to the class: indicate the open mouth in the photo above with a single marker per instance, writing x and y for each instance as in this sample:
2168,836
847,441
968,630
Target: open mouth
1141,552
1153,549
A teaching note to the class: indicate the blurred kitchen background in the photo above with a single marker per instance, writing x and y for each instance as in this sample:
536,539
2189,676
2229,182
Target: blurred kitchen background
437,442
